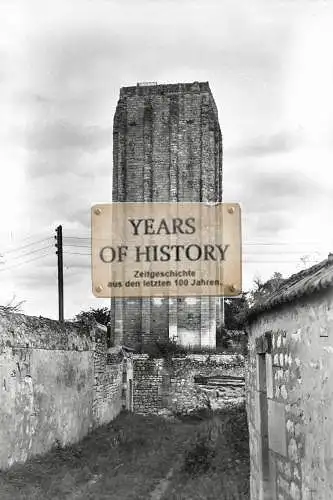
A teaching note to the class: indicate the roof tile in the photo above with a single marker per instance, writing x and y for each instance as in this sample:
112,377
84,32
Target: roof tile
306,282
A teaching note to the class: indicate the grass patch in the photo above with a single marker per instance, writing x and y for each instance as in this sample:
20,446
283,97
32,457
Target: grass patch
216,461
128,458
198,459
124,459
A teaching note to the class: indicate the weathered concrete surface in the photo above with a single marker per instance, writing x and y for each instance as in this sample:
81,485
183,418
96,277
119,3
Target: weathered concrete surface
299,372
161,385
62,383
56,383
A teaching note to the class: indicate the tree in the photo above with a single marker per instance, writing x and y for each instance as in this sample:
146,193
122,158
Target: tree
235,311
262,289
101,315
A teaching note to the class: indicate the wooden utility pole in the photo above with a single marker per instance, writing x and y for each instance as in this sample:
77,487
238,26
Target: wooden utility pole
59,253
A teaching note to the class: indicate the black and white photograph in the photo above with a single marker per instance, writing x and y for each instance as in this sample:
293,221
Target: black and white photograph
166,251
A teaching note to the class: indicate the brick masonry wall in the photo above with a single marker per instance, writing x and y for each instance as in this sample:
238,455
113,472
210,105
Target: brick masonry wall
55,384
169,385
167,146
297,393
147,379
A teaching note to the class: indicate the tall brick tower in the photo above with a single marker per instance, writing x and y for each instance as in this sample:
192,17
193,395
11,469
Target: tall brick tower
167,146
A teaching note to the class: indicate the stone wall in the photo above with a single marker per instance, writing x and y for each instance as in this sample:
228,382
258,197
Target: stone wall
161,384
108,383
56,384
289,400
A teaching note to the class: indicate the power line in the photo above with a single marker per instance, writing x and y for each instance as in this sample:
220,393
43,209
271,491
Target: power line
33,235
244,260
272,252
76,246
76,238
281,243
76,253
245,243
278,262
88,245
283,250
26,246
33,251
25,262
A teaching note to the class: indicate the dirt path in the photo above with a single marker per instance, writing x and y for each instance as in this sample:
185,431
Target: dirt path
161,488
127,460
84,490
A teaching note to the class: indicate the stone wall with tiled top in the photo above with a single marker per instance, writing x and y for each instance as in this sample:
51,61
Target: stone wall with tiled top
57,381
289,393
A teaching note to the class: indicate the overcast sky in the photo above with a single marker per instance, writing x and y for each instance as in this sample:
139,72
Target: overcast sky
270,68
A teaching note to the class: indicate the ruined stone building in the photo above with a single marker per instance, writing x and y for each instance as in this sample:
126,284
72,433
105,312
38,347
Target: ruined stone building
289,389
167,147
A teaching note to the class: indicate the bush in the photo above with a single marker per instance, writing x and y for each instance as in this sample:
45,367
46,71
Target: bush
169,349
223,338
166,349
233,341
195,349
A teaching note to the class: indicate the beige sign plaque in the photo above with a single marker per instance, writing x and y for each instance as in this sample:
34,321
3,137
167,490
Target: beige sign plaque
166,249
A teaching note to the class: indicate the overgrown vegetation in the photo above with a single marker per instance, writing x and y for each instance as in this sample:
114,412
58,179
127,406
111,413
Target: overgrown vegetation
99,314
231,344
216,460
235,312
162,349
13,306
262,289
198,459
231,341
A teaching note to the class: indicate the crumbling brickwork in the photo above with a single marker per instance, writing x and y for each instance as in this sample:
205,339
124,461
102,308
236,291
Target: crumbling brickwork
107,400
167,146
147,385
57,383
169,385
